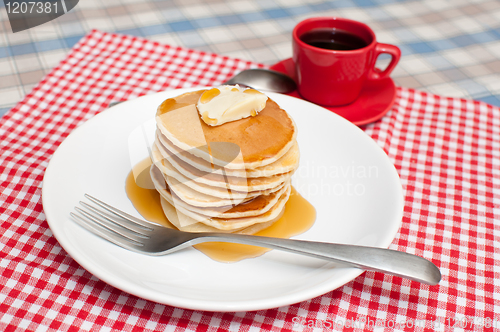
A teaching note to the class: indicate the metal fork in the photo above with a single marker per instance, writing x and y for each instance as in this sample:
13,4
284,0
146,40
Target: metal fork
149,238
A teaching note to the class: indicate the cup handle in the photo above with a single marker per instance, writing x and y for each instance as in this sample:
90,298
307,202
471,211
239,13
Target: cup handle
394,51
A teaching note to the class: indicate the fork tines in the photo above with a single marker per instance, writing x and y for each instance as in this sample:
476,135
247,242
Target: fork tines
112,224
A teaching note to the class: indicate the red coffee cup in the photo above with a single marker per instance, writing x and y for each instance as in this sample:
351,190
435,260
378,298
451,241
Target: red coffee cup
334,77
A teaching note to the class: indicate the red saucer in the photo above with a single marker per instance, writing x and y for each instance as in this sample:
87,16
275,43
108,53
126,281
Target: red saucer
375,100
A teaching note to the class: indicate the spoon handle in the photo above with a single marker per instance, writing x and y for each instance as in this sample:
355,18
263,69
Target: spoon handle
368,258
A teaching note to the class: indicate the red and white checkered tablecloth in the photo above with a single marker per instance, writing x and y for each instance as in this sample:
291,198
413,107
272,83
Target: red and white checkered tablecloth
446,151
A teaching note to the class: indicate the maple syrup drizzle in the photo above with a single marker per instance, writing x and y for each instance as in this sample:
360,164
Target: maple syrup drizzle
298,217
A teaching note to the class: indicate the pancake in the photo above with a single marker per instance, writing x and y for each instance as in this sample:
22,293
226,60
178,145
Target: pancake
236,208
222,223
234,177
217,191
222,180
287,163
262,139
252,207
195,198
174,215
233,223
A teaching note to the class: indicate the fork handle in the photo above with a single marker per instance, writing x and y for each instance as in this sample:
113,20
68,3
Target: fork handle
389,261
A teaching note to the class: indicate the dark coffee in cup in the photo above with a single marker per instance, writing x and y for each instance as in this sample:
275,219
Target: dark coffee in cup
333,39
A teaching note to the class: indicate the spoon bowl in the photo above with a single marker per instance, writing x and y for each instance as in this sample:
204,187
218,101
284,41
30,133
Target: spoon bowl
264,79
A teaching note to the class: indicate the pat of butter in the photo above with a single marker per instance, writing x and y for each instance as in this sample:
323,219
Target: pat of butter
229,103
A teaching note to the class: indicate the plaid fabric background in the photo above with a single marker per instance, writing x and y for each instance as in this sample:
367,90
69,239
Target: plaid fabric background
446,150
450,48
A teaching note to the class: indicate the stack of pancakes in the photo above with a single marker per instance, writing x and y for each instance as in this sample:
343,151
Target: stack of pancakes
231,178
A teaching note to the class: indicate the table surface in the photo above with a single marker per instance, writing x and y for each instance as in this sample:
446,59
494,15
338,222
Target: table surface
450,48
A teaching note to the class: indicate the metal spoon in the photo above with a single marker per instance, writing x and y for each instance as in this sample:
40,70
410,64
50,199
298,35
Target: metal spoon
264,79
258,78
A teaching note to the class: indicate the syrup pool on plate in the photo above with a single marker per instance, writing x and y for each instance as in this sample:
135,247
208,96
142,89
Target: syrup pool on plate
298,217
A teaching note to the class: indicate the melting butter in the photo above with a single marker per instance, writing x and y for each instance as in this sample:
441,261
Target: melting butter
229,103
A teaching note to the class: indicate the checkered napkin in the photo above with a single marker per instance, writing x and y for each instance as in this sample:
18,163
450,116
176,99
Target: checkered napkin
446,151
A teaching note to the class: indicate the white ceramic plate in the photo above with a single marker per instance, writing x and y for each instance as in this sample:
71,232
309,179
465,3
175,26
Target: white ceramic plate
346,176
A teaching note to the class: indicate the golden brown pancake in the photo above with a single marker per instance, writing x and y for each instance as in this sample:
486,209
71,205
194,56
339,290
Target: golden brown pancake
262,139
287,163
236,208
234,177
195,198
252,207
234,223
174,217
217,191
222,180
222,222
